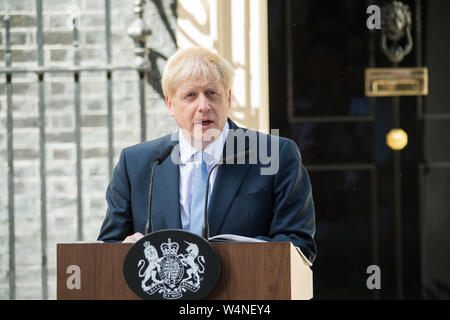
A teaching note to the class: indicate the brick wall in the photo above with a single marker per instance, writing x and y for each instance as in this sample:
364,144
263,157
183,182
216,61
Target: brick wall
60,124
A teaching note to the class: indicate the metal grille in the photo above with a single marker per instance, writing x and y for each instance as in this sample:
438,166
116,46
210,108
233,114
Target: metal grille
138,32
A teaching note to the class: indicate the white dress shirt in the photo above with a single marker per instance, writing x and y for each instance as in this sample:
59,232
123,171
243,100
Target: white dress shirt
189,161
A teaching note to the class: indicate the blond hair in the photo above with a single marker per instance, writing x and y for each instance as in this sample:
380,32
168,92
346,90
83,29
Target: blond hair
195,62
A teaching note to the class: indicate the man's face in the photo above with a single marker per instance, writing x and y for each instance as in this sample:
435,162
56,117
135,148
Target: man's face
200,108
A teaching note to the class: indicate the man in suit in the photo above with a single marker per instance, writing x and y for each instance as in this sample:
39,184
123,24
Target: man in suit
270,201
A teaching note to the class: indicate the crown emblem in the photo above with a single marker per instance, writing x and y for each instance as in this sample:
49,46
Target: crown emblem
147,244
169,248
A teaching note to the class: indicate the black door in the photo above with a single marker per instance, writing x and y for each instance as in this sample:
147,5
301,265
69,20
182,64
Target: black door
374,205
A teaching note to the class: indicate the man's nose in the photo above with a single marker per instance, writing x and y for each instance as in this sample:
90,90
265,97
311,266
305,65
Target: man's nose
203,103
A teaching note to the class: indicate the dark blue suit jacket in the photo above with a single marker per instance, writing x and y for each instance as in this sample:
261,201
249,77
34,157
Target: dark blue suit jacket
277,207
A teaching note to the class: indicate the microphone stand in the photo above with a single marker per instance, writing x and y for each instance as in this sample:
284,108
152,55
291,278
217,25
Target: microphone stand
149,224
161,158
205,227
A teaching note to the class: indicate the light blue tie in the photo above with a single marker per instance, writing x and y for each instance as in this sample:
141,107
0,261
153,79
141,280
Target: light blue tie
198,197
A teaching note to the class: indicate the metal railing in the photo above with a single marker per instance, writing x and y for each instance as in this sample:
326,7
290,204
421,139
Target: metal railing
138,31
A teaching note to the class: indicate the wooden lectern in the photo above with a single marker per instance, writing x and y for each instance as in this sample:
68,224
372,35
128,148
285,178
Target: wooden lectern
249,271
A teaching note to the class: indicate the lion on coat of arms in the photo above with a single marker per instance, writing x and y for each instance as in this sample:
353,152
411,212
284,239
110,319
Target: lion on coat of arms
151,254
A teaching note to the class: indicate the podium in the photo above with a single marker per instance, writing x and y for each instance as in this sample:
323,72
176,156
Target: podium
249,271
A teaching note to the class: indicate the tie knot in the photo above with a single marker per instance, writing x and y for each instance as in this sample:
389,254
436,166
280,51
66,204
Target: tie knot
201,157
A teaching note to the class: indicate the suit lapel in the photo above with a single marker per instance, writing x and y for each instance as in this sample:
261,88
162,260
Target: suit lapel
228,181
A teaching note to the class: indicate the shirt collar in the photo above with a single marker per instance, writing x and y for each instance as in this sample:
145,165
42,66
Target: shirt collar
213,150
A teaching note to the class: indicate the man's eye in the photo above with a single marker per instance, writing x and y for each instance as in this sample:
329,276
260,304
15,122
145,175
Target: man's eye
211,92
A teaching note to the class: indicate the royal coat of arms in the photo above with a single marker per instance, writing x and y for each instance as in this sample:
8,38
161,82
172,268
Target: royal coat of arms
172,274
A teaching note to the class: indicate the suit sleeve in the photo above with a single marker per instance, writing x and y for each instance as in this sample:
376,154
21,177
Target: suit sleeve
293,206
118,223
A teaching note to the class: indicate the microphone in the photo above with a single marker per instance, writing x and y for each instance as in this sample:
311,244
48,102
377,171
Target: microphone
162,156
227,160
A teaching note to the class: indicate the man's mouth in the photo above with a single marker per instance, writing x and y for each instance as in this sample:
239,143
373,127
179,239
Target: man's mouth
203,122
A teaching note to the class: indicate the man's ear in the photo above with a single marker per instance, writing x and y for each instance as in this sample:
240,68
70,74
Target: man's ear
169,106
229,98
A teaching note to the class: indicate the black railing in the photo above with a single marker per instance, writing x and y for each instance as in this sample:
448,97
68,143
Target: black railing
41,70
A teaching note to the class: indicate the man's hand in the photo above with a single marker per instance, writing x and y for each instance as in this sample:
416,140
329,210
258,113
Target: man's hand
133,238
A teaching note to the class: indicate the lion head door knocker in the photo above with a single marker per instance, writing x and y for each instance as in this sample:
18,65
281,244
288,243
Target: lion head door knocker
395,26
